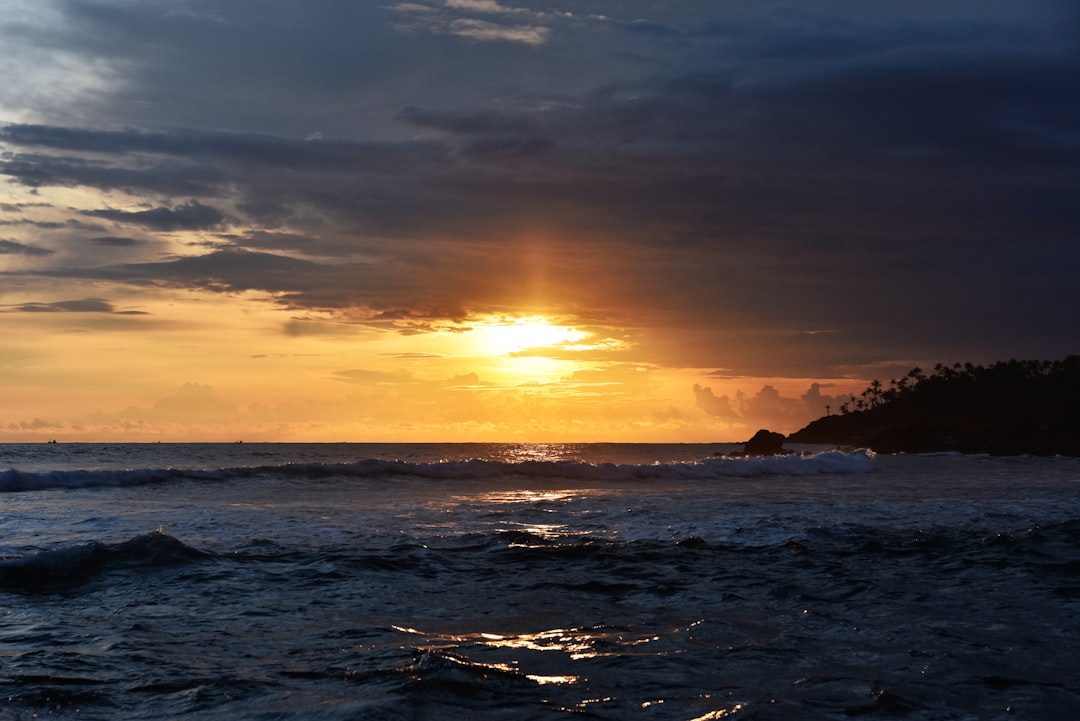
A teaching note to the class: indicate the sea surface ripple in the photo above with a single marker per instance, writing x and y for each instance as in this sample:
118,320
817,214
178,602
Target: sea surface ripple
622,584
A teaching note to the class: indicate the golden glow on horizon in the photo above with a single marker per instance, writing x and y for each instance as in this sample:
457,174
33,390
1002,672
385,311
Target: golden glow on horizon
102,361
187,365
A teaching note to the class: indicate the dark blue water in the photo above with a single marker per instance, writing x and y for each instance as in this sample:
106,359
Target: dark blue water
535,582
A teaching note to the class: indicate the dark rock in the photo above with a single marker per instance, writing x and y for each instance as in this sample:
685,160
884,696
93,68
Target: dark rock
765,443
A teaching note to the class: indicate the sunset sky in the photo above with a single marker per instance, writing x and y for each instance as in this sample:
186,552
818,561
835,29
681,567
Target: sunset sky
514,220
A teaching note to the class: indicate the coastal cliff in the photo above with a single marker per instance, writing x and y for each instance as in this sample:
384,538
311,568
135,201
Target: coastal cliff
1008,408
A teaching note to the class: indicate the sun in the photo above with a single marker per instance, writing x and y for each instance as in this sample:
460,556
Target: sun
504,336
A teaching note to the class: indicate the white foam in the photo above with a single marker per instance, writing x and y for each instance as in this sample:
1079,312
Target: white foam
831,462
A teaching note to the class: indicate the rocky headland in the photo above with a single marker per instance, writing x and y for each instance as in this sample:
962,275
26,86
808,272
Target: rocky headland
1008,408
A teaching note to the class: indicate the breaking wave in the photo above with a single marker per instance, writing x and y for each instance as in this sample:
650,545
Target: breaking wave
831,462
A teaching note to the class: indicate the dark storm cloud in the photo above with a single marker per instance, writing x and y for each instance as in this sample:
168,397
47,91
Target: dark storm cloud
485,123
226,270
264,240
38,171
285,67
14,247
208,147
295,283
905,178
192,215
114,241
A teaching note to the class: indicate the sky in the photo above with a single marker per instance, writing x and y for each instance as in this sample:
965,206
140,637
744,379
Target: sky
522,220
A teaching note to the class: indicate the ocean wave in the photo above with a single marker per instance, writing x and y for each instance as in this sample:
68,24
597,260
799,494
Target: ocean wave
73,565
830,462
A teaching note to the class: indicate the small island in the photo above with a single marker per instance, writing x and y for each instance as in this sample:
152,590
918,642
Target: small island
1011,407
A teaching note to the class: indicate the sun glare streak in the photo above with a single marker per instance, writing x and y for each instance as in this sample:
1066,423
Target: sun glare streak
574,642
577,643
503,336
721,713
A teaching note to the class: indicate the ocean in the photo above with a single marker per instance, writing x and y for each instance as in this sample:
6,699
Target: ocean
535,581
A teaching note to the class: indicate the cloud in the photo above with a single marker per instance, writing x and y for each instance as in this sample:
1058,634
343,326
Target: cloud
42,224
465,380
225,270
86,305
39,171
114,241
192,215
37,424
192,403
717,406
83,305
485,31
472,123
768,408
435,19
371,377
14,247
483,6
288,242
740,175
18,207
415,356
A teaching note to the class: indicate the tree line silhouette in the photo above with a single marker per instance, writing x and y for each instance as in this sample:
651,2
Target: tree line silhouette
1009,407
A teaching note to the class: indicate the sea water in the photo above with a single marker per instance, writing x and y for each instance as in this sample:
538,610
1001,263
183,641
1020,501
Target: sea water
545,581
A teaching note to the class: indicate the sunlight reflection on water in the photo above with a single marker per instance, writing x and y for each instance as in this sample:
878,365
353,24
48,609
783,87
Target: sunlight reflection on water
521,452
576,643
534,497
719,714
